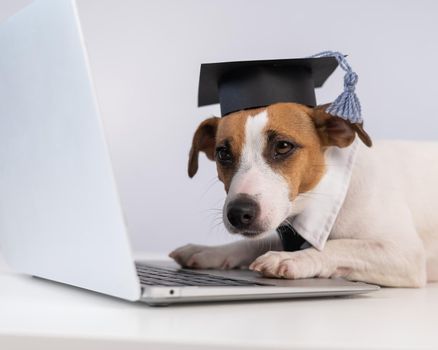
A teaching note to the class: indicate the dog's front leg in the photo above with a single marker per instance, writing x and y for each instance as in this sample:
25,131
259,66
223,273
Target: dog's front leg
379,262
228,256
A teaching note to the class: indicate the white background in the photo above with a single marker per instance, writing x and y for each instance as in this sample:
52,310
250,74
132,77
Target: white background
145,57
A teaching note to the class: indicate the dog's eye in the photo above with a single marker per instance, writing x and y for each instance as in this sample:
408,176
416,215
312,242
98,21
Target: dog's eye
224,156
282,148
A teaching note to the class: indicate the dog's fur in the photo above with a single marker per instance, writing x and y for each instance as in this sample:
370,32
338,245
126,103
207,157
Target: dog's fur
386,231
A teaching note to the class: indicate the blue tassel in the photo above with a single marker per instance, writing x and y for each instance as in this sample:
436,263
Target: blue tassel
346,105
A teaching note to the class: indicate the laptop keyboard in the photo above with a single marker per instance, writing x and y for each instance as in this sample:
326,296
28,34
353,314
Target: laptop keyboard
164,276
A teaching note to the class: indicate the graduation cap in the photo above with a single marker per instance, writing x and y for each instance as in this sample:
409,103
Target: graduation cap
250,84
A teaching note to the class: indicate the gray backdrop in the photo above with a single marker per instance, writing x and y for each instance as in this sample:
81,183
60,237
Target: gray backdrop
145,57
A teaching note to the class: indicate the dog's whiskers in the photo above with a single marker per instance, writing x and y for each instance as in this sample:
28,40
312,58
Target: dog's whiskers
213,181
315,195
214,209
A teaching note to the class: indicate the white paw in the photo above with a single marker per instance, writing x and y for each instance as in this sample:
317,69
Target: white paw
290,265
204,257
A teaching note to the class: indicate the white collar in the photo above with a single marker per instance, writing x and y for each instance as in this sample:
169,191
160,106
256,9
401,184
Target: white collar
321,205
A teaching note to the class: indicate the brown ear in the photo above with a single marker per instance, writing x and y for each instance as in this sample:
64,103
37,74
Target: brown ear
204,140
335,131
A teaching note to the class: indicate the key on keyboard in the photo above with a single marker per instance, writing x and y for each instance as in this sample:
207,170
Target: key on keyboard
164,276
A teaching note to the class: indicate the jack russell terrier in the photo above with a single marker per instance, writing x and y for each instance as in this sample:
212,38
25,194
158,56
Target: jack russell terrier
272,160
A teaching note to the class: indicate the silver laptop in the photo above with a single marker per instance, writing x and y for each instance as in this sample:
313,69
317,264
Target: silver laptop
60,214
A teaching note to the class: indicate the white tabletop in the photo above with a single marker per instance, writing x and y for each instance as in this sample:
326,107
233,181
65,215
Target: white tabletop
40,314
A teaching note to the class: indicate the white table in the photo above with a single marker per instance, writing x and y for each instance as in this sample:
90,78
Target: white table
38,314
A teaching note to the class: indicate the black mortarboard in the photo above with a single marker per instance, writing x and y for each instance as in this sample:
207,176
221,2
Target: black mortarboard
251,84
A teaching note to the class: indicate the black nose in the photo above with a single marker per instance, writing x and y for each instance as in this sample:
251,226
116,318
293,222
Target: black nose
242,212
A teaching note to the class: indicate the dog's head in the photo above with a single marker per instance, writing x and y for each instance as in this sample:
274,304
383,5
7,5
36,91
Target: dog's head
267,157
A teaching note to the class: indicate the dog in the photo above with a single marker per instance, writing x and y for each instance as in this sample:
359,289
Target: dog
269,159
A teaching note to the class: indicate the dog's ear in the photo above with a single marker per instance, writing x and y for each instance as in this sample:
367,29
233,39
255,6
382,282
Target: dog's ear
204,140
335,131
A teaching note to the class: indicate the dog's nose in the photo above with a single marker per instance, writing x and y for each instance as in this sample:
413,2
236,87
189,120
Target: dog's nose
242,212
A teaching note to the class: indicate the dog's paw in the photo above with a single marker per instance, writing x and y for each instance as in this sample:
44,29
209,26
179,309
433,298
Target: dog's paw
290,265
204,257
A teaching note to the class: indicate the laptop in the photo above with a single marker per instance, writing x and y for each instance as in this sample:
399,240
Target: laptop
60,214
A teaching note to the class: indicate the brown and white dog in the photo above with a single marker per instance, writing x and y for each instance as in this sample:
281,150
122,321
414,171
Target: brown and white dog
386,231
